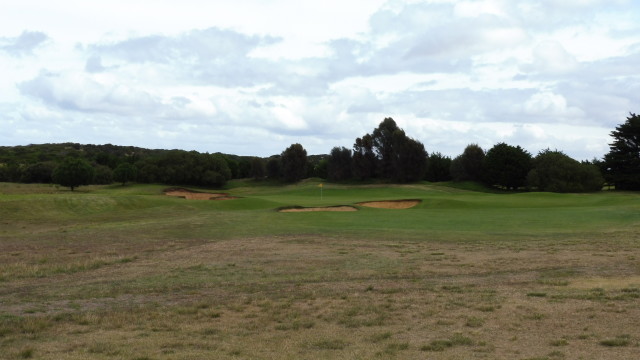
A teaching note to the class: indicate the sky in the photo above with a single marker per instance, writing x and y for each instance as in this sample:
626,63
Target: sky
251,77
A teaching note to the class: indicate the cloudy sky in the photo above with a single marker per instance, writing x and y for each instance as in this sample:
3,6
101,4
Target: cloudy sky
251,77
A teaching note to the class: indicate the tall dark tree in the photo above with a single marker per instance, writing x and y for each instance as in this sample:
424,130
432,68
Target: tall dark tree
73,172
469,165
409,158
383,143
274,167
294,163
623,159
456,169
506,166
339,165
438,167
472,161
364,158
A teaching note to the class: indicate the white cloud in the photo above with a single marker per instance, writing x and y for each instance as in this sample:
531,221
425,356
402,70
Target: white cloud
252,77
478,8
553,106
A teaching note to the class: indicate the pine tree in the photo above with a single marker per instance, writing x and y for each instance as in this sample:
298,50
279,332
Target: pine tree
623,160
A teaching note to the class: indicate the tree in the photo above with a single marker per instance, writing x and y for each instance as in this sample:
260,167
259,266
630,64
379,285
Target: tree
472,161
294,163
321,169
73,172
103,175
40,172
391,153
234,167
457,170
4,173
214,171
339,164
124,173
438,167
364,158
506,166
12,171
556,172
244,167
623,159
383,145
409,158
274,167
213,178
258,168
149,172
468,166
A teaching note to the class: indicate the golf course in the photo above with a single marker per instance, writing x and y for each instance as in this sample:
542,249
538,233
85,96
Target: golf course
377,271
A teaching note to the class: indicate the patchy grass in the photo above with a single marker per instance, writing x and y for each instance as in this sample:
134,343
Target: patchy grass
441,345
621,340
112,272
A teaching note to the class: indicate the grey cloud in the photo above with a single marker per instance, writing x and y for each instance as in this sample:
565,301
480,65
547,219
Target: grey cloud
83,93
94,65
371,105
464,37
211,56
604,90
24,44
216,57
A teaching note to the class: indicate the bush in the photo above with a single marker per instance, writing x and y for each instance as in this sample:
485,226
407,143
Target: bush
556,172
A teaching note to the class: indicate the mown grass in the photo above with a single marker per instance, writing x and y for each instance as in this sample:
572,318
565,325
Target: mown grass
126,272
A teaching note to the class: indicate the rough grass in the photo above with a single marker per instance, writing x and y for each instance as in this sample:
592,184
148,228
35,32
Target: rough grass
125,272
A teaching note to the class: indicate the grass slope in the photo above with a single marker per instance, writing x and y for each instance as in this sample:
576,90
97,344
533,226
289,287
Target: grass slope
128,273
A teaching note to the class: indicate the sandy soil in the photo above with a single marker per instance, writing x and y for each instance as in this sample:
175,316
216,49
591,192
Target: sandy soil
391,204
192,195
330,208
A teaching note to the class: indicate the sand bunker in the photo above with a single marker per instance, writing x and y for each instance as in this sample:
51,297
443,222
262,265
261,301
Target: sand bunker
391,204
194,195
329,208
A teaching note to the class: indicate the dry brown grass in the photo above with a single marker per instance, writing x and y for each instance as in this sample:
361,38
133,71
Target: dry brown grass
321,298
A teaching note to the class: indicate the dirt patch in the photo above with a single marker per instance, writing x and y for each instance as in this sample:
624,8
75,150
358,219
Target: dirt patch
328,208
195,195
391,204
606,283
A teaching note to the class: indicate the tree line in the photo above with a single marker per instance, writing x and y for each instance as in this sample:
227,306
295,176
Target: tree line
386,154
390,155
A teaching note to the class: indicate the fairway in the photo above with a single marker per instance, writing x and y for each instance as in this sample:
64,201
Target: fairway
112,272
